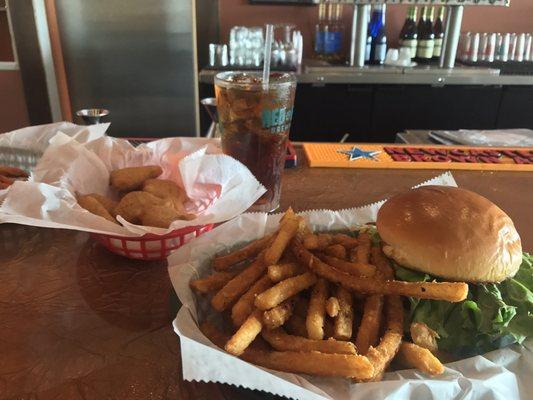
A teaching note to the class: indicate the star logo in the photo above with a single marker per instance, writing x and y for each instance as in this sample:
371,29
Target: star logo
356,153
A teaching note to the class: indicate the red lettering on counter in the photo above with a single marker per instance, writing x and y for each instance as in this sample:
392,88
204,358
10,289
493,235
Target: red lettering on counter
400,157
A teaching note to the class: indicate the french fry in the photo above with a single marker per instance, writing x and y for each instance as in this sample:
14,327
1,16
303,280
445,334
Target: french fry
382,263
303,229
282,341
424,336
336,250
289,214
287,231
420,358
448,291
381,355
363,248
332,307
239,284
318,363
343,324
280,272
246,334
222,263
352,268
296,325
317,242
245,305
316,311
347,241
368,333
280,292
315,363
210,283
277,316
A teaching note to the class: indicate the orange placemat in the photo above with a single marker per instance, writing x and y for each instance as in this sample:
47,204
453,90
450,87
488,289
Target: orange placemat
355,155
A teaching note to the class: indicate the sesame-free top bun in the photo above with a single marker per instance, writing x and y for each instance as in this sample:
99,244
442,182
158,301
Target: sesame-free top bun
450,233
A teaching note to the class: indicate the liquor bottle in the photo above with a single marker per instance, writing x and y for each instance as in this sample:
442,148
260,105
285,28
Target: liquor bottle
319,31
333,34
339,29
426,37
368,11
378,47
409,33
439,34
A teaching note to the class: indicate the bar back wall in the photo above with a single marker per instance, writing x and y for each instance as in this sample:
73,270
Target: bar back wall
517,18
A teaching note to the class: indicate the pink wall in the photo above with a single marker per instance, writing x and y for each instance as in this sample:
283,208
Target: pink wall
517,18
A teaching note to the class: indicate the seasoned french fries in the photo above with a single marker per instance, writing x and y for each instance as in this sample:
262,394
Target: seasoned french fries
316,311
336,250
317,241
277,316
287,231
280,272
282,341
316,363
332,307
363,248
213,282
381,355
239,284
245,305
368,333
448,291
342,328
293,310
222,263
414,356
245,335
353,268
345,240
283,290
382,263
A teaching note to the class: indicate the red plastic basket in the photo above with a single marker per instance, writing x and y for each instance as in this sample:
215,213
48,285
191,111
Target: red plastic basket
150,247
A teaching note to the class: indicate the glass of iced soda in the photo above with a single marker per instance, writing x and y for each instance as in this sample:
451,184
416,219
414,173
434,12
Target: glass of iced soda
254,122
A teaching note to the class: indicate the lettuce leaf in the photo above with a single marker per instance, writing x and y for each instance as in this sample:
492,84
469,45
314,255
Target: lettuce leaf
493,315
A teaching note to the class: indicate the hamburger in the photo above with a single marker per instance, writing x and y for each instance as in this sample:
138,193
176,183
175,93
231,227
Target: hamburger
450,234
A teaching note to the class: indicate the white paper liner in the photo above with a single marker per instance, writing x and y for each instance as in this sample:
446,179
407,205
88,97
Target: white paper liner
37,138
219,187
502,374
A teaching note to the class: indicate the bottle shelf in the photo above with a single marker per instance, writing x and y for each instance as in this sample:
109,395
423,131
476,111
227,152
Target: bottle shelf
502,3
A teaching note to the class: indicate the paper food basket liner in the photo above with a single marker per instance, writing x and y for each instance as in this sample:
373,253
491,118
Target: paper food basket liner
80,161
502,374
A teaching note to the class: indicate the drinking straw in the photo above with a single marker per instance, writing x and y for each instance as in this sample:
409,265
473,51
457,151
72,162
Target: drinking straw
267,54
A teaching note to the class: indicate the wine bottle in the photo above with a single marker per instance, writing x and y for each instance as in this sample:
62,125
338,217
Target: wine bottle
409,32
426,37
439,34
378,48
319,31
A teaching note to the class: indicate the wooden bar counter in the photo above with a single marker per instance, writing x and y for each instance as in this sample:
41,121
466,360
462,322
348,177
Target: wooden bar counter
77,322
